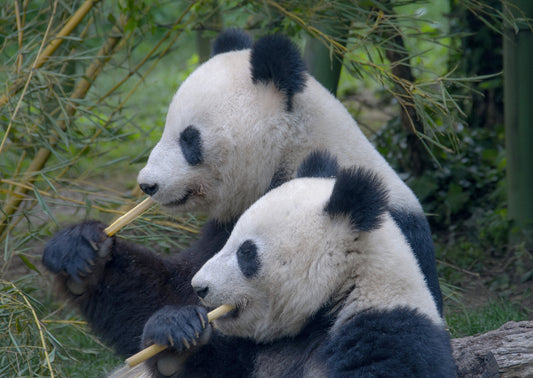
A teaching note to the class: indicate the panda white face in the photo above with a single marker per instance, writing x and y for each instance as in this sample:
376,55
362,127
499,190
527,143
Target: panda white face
209,145
230,129
277,278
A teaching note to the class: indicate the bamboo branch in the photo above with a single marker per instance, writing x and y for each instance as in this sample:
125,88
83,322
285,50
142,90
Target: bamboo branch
41,157
122,221
53,45
154,349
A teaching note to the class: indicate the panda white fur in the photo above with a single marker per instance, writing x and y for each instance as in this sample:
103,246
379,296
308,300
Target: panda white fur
324,283
240,124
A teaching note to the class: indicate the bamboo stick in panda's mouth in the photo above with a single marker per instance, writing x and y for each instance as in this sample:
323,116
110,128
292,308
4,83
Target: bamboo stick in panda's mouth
125,219
154,349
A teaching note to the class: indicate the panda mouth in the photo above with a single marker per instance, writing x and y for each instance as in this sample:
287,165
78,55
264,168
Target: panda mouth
180,201
233,314
200,192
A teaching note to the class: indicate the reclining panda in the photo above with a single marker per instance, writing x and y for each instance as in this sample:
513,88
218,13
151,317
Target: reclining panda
240,124
324,284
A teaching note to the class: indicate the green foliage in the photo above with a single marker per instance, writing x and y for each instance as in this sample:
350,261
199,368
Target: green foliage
20,324
468,321
77,126
465,187
38,344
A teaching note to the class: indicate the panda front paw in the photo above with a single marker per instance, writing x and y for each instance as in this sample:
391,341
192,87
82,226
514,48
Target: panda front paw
179,328
74,251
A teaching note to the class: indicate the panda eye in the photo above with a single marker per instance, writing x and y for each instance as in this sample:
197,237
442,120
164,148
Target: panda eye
248,259
191,145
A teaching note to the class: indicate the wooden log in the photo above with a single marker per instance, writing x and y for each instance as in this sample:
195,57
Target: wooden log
504,352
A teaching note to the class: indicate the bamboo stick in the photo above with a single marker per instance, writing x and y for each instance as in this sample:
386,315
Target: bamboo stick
129,216
154,349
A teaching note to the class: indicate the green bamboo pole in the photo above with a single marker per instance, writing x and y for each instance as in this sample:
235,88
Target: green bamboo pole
518,100
325,62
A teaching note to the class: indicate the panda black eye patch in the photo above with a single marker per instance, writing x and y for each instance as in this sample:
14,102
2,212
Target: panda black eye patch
247,259
191,145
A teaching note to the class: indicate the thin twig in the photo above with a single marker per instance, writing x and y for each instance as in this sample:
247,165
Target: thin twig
458,268
38,323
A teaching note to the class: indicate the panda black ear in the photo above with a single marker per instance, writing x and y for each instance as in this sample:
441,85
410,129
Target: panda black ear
231,40
318,164
276,59
361,195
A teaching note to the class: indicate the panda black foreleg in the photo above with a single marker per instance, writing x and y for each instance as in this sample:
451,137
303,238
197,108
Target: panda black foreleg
195,349
116,284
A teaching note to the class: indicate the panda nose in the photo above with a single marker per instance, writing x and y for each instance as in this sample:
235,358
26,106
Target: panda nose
149,189
201,291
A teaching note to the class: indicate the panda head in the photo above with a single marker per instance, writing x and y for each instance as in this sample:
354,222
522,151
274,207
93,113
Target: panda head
292,253
226,128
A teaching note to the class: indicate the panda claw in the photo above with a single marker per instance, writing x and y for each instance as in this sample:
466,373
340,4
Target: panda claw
185,342
201,320
105,247
92,244
83,273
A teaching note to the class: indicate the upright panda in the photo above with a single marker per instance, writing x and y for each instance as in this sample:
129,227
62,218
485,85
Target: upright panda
240,124
324,284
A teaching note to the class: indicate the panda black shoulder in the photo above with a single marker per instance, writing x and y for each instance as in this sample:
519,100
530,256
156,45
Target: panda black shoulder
231,40
276,59
378,343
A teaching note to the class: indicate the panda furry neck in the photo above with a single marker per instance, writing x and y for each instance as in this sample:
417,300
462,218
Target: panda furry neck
335,285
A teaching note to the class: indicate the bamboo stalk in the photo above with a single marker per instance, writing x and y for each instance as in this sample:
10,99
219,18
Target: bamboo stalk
54,44
122,221
154,349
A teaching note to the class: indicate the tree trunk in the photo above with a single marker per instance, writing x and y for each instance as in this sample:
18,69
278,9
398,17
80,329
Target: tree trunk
518,97
504,352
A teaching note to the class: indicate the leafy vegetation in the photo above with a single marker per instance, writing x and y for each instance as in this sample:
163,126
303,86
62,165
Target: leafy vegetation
84,91
490,316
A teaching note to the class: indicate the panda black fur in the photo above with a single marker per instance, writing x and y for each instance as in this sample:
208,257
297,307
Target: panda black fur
239,124
324,284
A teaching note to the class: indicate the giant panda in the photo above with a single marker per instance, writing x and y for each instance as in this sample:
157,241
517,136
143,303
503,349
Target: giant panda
324,284
239,125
